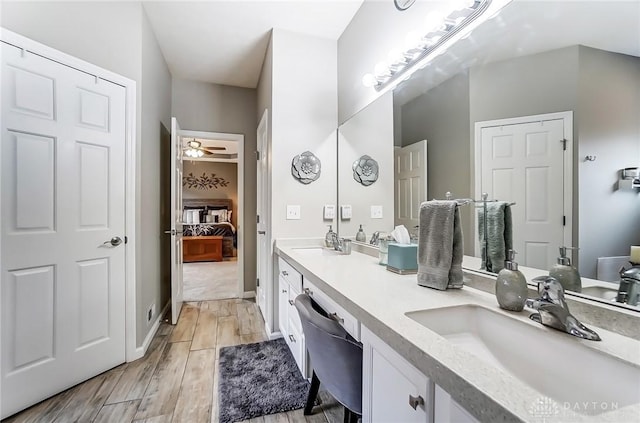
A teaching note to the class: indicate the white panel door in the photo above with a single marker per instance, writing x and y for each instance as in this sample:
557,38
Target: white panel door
410,165
176,221
262,241
62,158
524,163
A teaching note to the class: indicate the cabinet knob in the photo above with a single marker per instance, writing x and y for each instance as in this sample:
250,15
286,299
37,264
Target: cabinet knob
285,273
414,402
292,338
291,302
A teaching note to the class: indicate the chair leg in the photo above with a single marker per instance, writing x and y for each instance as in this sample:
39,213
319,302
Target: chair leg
313,393
347,415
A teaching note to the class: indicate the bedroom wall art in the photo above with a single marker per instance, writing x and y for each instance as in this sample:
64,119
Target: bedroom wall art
204,182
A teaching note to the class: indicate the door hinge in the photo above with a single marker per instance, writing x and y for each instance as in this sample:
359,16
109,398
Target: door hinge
126,239
564,220
257,218
564,144
257,281
257,155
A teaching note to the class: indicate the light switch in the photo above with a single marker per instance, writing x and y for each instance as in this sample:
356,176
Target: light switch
376,212
345,211
293,212
329,211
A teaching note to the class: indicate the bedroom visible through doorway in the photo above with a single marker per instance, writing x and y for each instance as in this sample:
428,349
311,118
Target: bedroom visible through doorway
212,200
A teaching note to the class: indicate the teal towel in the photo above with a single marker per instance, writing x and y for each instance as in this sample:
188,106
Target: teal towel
499,235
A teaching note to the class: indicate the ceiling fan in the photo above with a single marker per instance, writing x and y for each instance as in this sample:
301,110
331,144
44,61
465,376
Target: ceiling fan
194,148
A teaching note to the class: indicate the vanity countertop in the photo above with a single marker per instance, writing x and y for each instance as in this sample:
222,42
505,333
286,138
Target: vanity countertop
379,299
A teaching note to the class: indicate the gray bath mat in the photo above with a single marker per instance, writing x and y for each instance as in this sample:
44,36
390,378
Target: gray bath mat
259,379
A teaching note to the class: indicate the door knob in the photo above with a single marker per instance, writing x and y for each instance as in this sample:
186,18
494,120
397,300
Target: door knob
171,231
262,232
115,241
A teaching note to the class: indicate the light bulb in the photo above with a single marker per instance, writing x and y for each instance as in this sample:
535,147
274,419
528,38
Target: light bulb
395,56
369,80
381,69
433,21
199,153
412,40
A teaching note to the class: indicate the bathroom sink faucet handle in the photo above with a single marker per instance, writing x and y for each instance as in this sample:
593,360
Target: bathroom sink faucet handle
550,290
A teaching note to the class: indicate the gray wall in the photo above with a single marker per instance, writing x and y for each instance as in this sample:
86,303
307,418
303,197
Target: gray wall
155,106
442,118
304,117
201,106
608,120
116,36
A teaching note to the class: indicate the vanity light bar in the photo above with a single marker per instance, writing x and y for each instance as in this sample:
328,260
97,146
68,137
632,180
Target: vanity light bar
449,29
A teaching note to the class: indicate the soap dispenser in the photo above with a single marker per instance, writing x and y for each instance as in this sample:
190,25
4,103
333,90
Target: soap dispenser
361,236
565,273
511,285
328,238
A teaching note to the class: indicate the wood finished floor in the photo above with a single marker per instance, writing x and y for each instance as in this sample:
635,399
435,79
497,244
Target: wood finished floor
176,381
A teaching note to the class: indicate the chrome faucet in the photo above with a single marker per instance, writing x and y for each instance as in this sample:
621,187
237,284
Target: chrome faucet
629,287
342,245
553,310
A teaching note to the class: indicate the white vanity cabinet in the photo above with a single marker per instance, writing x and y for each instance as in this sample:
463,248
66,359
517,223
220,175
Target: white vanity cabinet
289,287
395,391
447,410
333,310
392,389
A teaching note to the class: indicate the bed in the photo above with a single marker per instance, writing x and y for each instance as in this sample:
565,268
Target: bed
212,240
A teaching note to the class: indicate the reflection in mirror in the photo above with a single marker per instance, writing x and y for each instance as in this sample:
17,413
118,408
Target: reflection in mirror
494,111
370,132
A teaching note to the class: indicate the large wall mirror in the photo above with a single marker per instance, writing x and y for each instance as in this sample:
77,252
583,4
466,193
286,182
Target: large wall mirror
535,75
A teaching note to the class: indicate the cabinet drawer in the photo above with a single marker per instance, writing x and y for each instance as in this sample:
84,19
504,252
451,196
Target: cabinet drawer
290,274
295,340
294,317
350,323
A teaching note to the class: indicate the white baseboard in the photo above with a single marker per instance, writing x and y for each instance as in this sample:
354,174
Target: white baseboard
249,294
141,350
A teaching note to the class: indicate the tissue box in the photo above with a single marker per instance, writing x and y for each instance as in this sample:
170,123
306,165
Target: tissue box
403,258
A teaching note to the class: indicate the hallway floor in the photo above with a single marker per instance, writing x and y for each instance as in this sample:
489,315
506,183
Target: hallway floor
210,280
176,381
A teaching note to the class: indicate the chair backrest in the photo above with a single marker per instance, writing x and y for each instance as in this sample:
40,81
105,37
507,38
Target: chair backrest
336,359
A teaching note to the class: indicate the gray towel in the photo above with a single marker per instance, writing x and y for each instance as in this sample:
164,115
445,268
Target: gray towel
440,245
499,235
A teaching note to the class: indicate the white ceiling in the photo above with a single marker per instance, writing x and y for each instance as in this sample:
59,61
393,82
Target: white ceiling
224,42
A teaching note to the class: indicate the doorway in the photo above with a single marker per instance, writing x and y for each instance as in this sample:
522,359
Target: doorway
212,205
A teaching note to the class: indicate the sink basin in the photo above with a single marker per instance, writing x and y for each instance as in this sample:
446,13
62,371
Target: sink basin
555,364
600,292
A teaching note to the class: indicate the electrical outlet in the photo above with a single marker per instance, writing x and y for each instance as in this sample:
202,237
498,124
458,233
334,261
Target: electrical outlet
376,212
293,212
329,212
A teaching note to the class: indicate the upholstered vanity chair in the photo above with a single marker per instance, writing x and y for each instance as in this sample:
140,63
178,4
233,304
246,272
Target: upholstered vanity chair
336,360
